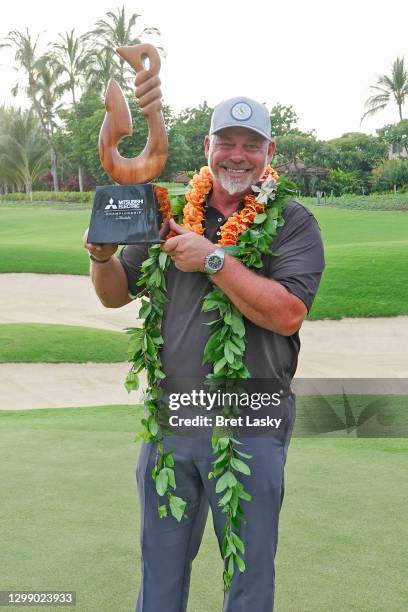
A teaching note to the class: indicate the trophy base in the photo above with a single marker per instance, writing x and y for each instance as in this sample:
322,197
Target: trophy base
125,214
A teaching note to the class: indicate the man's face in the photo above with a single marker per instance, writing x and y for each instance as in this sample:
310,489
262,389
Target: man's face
237,158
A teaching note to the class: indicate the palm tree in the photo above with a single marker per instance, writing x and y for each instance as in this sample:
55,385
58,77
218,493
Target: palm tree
36,69
69,54
25,58
389,88
70,57
117,31
49,91
23,150
101,66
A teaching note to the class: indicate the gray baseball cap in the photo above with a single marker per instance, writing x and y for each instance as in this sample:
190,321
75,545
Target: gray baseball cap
242,112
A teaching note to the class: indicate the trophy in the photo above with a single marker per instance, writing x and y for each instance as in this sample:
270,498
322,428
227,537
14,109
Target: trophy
128,213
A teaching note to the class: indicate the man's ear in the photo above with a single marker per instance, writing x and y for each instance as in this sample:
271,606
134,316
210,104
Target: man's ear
206,146
271,150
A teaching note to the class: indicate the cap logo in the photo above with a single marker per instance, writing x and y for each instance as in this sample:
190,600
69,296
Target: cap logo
241,111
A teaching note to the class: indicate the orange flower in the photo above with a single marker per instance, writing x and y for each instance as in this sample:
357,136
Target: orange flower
162,197
193,213
269,171
228,242
240,221
234,224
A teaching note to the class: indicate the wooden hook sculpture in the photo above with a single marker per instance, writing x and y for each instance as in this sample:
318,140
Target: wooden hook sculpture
118,121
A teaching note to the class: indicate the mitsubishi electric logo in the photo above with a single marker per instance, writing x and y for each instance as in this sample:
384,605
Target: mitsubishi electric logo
111,205
124,204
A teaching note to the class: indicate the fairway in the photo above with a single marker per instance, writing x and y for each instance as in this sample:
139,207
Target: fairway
46,239
366,254
70,517
366,263
37,342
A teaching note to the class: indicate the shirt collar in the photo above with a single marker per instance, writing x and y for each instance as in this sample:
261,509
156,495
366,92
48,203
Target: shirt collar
214,211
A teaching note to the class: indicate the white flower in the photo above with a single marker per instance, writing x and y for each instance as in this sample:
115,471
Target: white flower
267,191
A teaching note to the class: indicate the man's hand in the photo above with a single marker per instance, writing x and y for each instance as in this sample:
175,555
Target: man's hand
100,251
109,278
188,249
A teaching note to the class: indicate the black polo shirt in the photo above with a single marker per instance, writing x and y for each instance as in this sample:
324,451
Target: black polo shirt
298,267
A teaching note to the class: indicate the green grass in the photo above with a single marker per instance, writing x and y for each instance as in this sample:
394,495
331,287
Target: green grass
366,262
373,201
38,204
70,517
37,342
46,240
366,254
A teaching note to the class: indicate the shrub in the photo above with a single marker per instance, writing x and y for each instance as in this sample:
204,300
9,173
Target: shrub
341,181
51,196
45,181
72,183
391,172
373,201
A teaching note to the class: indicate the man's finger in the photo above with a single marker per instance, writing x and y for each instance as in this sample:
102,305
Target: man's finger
170,244
177,228
164,230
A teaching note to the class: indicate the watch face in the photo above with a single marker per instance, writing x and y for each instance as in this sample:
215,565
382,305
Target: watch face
214,262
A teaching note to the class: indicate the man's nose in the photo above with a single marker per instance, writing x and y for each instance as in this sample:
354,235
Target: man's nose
237,154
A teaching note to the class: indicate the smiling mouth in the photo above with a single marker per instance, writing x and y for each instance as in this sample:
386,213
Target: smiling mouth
236,171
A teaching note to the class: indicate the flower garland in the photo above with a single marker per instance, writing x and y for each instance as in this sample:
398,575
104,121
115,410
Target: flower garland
247,235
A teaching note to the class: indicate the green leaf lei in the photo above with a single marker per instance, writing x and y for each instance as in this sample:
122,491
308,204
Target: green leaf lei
224,350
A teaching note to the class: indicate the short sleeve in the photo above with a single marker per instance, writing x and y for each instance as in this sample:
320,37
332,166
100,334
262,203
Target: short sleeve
300,261
131,257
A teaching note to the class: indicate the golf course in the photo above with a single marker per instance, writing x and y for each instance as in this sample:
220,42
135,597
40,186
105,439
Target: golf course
255,181
70,511
366,253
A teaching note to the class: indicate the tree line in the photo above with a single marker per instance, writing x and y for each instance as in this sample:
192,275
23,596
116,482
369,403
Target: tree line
54,144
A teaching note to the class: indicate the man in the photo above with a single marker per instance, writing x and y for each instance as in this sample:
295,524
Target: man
274,303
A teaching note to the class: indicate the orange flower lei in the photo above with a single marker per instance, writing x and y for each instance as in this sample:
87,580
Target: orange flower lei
193,212
162,197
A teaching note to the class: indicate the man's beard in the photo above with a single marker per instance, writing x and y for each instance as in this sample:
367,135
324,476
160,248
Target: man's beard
235,184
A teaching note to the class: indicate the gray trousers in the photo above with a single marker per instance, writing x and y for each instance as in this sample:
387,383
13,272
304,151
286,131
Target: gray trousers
168,547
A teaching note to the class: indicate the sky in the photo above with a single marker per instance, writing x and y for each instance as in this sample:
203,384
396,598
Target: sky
318,56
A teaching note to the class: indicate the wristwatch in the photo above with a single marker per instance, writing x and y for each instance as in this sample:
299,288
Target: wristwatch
214,261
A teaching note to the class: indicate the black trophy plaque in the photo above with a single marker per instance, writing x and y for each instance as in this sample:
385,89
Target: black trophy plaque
124,214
